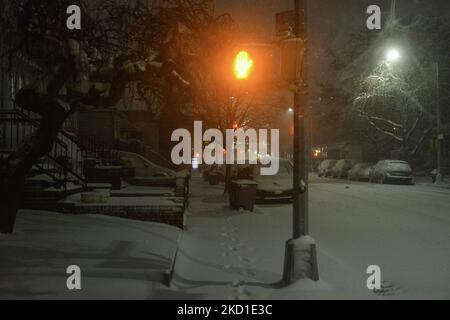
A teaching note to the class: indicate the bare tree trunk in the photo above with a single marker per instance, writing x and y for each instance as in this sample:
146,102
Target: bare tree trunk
10,191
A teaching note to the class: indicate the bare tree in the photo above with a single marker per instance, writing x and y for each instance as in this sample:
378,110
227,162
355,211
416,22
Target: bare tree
89,69
396,106
217,98
392,104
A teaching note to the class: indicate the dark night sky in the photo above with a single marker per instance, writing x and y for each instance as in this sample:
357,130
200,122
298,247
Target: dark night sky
331,22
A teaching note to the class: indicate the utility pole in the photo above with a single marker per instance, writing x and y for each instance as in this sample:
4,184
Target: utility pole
300,257
300,201
310,141
440,137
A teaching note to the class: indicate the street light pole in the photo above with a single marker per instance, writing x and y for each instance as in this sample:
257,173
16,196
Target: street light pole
310,142
440,138
300,200
300,257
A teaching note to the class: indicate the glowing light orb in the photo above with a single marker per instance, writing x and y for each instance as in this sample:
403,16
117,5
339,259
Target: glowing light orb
393,55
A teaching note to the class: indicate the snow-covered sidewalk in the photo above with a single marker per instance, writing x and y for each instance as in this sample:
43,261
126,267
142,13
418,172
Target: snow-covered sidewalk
119,259
226,254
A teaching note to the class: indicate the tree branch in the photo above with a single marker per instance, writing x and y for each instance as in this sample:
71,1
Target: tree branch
385,132
419,143
374,118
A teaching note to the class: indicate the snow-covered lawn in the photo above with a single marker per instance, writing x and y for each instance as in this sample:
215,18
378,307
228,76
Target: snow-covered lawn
237,255
119,259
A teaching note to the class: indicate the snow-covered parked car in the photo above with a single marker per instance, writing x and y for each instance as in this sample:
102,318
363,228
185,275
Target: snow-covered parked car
392,171
340,170
325,168
278,186
360,172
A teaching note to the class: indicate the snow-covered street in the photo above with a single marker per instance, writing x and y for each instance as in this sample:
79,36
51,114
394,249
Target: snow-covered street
403,229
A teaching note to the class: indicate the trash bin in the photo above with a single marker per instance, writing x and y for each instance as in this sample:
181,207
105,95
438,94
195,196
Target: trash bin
243,194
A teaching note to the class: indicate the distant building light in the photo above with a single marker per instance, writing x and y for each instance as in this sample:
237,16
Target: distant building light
194,163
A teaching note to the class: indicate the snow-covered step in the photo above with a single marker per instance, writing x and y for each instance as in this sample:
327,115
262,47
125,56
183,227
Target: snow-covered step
144,192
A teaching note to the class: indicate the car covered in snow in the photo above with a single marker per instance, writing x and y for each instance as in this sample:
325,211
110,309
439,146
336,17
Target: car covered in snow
392,171
360,172
341,168
277,186
326,167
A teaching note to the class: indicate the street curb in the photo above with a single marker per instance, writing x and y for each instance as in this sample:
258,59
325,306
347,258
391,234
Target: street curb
169,275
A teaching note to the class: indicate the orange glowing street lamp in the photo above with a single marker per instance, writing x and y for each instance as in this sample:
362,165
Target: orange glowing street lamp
243,65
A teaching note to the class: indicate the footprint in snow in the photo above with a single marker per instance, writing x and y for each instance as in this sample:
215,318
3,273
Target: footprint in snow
237,283
250,273
388,288
247,260
240,291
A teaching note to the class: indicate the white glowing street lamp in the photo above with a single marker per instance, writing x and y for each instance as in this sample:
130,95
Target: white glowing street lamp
393,55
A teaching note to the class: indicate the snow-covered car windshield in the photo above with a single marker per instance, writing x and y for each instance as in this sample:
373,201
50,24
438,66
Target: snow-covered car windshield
286,169
399,165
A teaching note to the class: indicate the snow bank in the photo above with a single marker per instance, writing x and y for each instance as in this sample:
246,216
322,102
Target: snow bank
119,259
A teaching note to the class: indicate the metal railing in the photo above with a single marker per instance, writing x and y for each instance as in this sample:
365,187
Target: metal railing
62,164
